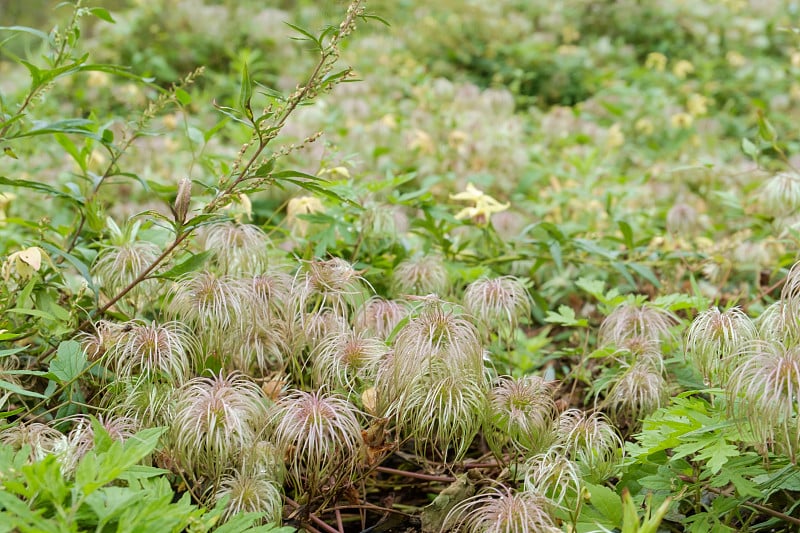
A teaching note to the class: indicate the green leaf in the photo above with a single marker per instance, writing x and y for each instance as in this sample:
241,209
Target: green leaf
102,14
24,29
69,361
595,287
183,97
71,125
36,186
717,454
79,265
308,36
627,234
246,93
565,317
32,312
16,389
190,264
765,129
749,149
646,273
607,502
265,170
12,351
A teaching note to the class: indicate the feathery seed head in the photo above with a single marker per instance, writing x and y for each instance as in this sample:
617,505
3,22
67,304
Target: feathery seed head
780,322
106,335
498,303
236,248
591,442
117,266
269,293
630,320
422,275
441,410
501,510
764,389
319,325
251,490
207,301
258,349
781,194
640,349
81,439
521,413
437,333
714,340
637,392
42,439
332,284
155,351
320,437
682,220
790,304
214,420
552,475
347,360
140,399
379,317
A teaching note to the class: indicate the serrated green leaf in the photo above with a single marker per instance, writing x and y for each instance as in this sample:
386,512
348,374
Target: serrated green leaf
595,287
717,454
68,362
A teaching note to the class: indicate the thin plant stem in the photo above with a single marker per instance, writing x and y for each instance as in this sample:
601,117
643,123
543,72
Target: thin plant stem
415,475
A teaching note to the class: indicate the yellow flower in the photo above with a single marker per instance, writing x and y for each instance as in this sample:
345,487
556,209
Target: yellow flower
24,263
697,105
795,59
241,207
97,78
656,61
681,120
794,92
682,68
615,137
170,121
304,205
335,171
735,59
457,138
5,199
570,35
567,49
644,126
389,121
485,206
422,141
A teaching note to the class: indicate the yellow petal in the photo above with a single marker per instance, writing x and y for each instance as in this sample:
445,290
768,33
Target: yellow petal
32,257
472,194
467,212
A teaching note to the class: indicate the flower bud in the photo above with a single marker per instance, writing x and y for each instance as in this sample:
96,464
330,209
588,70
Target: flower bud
182,200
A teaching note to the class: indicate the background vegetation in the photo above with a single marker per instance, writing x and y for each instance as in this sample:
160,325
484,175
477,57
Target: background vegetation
455,265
